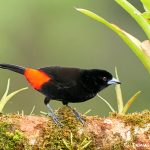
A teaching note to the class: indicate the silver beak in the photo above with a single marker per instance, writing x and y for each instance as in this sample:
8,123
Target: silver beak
113,81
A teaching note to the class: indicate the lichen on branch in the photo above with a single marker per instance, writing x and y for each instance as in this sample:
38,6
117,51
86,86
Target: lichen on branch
129,131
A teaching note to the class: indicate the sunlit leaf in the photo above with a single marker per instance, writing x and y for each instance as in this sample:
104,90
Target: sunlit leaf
130,101
31,113
71,138
86,145
136,14
119,94
146,15
7,89
130,40
89,110
146,4
146,47
66,144
111,108
6,97
14,93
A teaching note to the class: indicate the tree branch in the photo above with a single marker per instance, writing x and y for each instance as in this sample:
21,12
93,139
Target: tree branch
127,132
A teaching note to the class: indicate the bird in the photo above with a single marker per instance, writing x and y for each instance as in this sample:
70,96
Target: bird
65,84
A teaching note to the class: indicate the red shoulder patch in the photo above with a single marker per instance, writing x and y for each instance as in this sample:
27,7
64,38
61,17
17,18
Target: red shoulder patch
36,77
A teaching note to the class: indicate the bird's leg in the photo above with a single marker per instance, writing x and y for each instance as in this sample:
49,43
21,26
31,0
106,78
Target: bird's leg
51,112
77,114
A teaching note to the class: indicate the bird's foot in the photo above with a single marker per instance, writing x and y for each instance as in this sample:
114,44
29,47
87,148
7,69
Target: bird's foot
55,119
78,116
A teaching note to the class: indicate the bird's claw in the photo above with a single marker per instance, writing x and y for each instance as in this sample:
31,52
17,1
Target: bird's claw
55,119
81,120
78,116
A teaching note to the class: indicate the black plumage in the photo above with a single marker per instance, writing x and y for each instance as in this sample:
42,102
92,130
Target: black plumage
73,84
68,85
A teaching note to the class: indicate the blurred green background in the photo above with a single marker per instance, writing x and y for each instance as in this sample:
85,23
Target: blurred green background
37,33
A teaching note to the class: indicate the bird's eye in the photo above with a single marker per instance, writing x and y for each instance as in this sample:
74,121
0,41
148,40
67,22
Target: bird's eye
104,79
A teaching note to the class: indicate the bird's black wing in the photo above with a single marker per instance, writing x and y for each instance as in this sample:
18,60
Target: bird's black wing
63,77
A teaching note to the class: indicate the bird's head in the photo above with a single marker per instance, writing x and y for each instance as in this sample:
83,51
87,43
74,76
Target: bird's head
96,80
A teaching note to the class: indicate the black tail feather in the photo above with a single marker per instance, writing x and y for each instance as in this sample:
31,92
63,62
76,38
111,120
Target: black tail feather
14,68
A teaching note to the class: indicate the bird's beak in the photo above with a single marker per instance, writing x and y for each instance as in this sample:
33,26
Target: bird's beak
113,81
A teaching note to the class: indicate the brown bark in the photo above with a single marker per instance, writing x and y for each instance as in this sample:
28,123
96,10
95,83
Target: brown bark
118,132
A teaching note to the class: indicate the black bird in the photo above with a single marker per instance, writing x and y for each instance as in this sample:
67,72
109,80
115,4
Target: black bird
68,85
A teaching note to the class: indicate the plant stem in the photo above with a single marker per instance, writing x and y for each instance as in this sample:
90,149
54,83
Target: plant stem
119,94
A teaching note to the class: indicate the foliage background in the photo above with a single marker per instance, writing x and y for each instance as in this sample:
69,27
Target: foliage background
43,33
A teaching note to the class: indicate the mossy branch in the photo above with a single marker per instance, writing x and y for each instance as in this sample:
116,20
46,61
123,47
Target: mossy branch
116,132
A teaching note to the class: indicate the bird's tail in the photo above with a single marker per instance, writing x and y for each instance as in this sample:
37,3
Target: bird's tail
14,68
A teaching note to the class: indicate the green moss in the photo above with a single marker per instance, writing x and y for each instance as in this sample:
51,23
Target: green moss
135,119
118,146
10,137
65,137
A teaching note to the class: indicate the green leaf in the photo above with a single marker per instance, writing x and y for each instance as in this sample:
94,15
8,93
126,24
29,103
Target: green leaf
111,108
136,14
87,143
119,94
66,144
71,138
130,101
146,4
146,15
6,97
31,113
7,89
43,113
89,110
14,93
130,40
146,47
